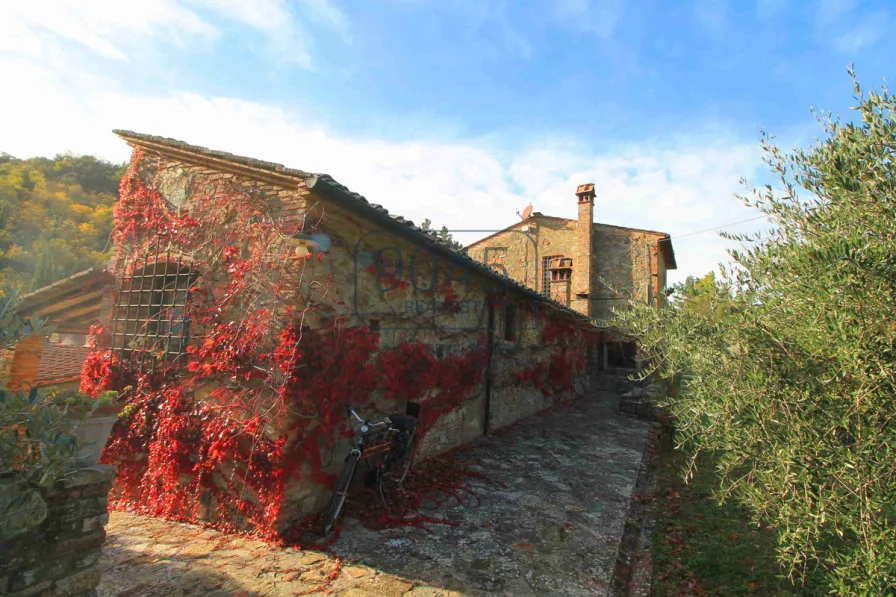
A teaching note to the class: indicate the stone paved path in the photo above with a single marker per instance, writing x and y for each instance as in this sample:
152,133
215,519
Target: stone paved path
554,494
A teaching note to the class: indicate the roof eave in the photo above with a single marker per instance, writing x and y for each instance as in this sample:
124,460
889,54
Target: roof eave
341,195
668,252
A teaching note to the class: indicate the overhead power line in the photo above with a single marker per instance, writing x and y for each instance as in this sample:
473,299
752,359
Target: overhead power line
716,228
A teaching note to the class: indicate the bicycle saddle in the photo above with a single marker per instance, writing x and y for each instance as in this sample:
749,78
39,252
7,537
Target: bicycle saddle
403,422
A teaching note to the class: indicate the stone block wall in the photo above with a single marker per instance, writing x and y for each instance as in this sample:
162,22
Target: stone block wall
519,253
628,266
56,550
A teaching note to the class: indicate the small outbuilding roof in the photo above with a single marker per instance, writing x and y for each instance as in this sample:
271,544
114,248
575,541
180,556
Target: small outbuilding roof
72,304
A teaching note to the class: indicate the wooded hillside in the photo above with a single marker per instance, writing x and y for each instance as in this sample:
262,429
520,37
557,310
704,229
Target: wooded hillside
55,217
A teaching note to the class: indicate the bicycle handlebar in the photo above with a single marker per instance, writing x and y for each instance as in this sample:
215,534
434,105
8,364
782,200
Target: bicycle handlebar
351,413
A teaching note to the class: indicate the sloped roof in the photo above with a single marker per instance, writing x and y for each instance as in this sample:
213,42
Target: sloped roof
327,185
72,304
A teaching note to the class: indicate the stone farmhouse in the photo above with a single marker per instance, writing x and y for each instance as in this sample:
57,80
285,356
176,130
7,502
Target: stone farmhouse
246,304
590,267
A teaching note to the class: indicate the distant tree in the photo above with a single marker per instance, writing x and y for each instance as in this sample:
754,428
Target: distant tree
792,372
705,294
442,234
55,217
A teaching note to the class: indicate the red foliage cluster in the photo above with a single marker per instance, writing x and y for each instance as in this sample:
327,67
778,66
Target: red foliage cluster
411,372
390,280
145,209
99,372
450,303
230,348
172,449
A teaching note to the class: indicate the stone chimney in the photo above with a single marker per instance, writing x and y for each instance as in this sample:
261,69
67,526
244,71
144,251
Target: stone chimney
582,261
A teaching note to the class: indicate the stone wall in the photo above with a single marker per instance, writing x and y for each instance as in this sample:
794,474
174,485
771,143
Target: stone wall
410,315
627,266
55,545
520,252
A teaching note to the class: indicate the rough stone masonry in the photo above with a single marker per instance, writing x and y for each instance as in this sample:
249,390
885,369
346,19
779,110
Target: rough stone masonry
57,539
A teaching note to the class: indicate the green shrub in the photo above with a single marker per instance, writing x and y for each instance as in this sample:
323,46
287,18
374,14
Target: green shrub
791,361
37,444
73,399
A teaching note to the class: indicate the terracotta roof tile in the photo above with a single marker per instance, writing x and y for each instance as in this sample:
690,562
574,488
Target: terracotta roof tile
61,362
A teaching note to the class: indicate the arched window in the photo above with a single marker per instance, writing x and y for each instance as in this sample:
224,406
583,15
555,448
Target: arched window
151,320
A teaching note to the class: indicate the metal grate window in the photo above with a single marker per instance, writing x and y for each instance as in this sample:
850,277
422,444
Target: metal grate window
151,320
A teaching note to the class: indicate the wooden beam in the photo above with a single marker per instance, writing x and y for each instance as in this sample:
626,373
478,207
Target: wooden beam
72,315
70,328
77,299
79,282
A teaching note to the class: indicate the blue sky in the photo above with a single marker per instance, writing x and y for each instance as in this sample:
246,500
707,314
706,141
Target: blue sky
463,112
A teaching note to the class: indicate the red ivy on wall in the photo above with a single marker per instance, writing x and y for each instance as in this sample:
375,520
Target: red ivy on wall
260,400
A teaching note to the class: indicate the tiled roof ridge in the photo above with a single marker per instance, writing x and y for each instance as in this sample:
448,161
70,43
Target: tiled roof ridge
223,155
454,249
264,165
547,217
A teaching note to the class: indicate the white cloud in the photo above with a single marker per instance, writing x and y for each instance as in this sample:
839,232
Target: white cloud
275,19
325,13
109,28
677,186
596,16
117,30
848,28
865,34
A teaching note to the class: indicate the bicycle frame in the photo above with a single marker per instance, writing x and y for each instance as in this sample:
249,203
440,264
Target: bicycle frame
385,454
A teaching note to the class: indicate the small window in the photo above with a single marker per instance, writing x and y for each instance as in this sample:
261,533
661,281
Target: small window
510,323
546,274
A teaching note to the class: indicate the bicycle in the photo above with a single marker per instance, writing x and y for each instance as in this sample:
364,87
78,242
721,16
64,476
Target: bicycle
385,446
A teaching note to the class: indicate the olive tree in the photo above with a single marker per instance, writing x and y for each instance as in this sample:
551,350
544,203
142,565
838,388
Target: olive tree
791,375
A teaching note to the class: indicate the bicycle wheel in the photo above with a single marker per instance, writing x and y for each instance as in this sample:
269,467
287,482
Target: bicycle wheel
334,506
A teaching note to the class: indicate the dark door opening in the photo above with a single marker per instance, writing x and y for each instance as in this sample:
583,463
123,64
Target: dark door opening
622,355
